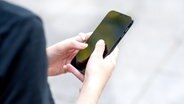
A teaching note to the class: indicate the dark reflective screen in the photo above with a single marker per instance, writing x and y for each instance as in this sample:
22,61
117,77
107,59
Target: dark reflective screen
111,30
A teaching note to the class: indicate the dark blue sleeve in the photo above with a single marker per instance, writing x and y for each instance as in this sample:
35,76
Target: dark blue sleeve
23,64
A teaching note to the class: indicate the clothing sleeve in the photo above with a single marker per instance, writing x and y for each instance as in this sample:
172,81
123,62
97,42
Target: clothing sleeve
24,66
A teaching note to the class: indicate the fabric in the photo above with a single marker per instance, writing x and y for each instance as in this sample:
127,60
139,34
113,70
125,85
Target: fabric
23,60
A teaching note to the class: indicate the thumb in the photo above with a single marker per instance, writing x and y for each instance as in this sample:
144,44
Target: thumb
99,48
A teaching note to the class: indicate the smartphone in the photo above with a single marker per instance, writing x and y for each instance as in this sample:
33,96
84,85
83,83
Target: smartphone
112,28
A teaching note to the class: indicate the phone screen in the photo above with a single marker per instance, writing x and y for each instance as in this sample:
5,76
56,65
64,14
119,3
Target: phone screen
112,28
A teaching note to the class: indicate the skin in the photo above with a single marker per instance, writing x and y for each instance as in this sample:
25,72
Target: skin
98,69
63,52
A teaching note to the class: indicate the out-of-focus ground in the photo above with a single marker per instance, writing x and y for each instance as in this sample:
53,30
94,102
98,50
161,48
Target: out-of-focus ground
150,68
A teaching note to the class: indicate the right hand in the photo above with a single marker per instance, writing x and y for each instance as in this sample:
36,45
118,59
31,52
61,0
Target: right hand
98,72
99,69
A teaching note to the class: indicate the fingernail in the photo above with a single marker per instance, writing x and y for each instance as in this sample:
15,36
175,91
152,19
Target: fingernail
85,45
101,41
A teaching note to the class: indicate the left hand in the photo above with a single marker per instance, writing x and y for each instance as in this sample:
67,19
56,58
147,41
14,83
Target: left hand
63,52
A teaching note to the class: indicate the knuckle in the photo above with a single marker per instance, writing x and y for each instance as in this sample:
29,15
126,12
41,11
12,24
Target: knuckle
73,43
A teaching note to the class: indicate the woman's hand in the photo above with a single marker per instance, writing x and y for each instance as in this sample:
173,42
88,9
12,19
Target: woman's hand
98,71
63,52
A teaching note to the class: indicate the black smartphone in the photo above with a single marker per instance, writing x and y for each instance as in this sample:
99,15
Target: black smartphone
112,28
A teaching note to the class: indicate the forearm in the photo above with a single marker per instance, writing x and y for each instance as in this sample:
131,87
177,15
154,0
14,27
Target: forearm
90,92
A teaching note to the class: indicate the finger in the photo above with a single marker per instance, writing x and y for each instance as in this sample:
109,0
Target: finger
83,37
73,54
74,71
88,35
113,55
99,48
76,45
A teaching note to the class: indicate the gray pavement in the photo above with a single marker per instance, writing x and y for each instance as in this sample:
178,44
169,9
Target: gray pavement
150,67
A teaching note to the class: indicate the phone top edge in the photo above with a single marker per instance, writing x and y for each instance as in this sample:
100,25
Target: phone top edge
111,11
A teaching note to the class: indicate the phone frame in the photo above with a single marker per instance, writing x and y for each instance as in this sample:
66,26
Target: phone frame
114,45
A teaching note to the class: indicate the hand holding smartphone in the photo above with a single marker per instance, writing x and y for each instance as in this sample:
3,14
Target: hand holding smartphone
112,28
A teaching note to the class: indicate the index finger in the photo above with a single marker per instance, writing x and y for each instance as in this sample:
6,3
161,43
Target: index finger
88,35
83,37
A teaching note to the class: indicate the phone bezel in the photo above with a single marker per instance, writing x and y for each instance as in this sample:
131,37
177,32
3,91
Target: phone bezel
115,44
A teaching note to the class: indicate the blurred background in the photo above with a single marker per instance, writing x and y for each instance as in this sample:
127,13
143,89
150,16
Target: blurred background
150,67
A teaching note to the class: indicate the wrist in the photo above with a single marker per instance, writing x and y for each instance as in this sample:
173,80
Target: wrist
91,91
97,80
